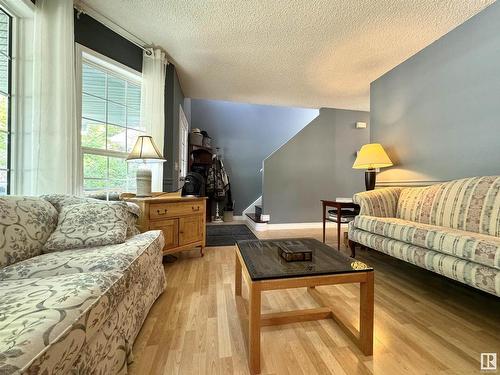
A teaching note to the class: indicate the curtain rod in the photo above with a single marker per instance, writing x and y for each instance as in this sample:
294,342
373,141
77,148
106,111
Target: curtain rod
85,9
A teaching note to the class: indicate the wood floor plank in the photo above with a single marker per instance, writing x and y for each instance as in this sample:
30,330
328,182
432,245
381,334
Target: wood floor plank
424,323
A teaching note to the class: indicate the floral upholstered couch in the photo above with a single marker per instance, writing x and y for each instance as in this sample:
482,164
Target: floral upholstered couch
452,228
74,311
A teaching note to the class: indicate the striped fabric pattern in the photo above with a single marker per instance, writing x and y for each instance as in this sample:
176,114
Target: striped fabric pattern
471,273
470,204
479,248
381,203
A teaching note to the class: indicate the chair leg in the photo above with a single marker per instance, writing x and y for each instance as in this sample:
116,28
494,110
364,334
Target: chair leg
352,246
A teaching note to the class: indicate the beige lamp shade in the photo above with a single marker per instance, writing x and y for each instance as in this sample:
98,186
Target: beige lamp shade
145,149
372,156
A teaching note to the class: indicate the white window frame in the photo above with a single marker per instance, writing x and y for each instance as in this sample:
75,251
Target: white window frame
91,57
183,145
11,109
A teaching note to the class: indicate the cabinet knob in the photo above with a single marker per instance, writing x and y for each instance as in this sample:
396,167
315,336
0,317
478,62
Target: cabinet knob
162,213
197,208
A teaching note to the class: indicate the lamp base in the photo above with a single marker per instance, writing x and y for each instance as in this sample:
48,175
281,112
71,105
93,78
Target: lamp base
370,178
144,177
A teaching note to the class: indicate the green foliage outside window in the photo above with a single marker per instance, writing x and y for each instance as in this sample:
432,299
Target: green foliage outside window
110,127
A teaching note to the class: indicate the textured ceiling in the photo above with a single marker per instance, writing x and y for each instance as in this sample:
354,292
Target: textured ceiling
308,53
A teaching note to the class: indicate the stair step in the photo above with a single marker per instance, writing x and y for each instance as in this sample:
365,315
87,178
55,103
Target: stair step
258,212
255,218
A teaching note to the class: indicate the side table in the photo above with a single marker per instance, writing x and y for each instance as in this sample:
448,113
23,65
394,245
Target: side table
339,206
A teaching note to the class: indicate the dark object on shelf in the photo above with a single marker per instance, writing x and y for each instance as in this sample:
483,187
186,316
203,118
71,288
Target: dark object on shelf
196,137
295,253
207,141
194,184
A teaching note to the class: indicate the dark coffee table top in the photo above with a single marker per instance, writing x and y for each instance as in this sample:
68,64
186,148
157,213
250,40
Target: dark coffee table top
263,261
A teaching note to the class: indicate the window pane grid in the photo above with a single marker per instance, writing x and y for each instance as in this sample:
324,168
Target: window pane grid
5,89
110,126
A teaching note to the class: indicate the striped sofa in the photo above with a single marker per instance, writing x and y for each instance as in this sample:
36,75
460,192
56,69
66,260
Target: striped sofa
452,228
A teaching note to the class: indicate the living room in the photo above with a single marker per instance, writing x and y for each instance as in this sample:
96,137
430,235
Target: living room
249,187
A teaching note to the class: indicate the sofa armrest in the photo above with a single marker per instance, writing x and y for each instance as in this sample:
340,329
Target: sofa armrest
380,202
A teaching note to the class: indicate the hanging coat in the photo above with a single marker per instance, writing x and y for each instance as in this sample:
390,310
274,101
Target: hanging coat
217,180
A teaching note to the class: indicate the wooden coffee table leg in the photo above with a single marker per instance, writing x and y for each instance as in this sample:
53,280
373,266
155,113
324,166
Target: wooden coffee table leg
366,314
254,328
237,276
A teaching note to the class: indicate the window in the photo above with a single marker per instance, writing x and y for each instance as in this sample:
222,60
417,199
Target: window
110,124
5,101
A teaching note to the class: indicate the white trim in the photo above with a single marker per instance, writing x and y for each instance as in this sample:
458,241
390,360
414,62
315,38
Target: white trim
18,8
262,227
316,225
183,157
111,66
251,209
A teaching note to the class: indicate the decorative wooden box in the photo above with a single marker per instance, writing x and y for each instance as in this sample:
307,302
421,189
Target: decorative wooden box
295,253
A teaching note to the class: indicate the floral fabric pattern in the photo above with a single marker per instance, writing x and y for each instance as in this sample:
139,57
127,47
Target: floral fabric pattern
83,321
87,225
133,211
25,225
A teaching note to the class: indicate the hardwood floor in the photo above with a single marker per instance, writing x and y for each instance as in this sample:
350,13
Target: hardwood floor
424,323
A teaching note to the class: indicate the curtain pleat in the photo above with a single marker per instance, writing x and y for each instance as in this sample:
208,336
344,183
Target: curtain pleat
153,105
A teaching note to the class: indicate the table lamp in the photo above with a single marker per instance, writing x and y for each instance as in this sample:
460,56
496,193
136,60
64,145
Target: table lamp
371,156
145,149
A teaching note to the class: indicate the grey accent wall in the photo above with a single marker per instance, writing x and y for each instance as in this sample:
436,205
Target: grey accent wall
96,36
174,97
247,134
315,164
438,113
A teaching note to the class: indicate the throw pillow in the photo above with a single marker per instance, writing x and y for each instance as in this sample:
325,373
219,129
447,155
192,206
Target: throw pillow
133,211
25,225
88,225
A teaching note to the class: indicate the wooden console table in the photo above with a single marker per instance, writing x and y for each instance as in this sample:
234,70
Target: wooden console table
339,206
182,220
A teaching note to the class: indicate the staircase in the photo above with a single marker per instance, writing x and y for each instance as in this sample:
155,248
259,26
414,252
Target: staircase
256,216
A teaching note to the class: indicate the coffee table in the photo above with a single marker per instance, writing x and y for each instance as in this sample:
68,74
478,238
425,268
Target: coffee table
259,262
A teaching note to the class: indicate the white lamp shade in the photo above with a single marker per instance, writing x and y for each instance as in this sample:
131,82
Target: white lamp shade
145,149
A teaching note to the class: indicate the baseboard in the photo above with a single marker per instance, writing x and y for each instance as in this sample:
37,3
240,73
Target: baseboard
314,225
262,227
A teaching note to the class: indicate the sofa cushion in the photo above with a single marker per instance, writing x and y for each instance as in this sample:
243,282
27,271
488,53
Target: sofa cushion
47,322
467,272
470,204
99,259
25,225
470,246
38,313
88,225
133,211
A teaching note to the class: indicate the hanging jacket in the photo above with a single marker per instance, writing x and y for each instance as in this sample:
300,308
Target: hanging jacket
217,180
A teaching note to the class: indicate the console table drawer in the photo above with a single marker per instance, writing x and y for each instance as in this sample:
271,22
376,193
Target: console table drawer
167,210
